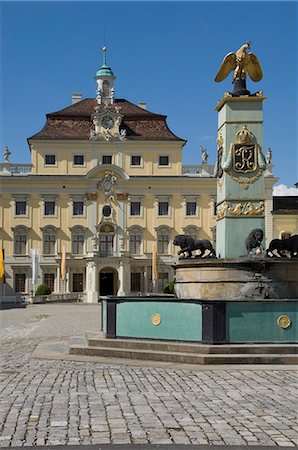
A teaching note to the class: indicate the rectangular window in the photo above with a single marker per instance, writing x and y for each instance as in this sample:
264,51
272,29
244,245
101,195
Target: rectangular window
50,160
78,160
163,208
135,244
21,208
135,160
135,280
78,208
49,279
49,244
78,244
20,282
135,208
49,208
107,159
191,208
163,279
106,245
77,282
163,160
163,244
20,244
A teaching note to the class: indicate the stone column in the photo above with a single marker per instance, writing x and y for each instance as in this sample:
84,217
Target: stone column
92,294
121,292
240,173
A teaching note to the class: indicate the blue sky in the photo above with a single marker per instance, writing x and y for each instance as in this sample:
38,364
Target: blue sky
164,53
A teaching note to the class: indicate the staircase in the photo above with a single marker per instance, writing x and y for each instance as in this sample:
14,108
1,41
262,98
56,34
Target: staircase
188,353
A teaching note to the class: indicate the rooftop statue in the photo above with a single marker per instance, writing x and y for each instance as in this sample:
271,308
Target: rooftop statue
242,63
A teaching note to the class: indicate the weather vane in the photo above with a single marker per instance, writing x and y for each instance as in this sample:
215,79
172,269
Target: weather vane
242,63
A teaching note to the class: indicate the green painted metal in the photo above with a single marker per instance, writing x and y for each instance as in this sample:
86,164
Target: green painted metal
179,321
256,322
104,70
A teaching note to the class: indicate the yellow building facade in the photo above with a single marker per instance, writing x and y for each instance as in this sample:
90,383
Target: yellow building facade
105,185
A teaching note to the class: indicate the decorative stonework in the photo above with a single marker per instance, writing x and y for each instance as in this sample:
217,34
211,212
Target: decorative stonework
246,209
91,195
121,197
245,157
107,125
107,185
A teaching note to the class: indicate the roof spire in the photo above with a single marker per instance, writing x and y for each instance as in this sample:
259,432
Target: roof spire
104,49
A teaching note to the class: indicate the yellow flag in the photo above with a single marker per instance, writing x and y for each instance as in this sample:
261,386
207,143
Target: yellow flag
63,264
2,268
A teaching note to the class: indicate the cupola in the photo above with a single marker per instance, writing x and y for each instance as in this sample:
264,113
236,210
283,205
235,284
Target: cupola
105,82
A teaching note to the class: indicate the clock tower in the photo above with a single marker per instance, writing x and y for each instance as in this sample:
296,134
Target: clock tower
105,82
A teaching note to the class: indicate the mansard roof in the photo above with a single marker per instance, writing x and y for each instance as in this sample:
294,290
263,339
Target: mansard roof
75,122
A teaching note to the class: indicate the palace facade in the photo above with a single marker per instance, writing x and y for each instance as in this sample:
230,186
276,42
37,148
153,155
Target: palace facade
105,187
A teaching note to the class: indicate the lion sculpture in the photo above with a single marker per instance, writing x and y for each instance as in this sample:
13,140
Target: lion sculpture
280,246
188,245
254,240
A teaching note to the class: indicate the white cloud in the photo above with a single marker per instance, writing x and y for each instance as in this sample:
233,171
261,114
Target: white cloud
282,189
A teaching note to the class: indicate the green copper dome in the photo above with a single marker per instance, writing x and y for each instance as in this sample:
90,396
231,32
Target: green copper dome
104,71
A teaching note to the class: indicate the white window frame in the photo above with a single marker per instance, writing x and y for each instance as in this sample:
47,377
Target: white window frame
189,199
163,231
137,165
164,165
50,165
50,198
163,200
136,231
20,231
78,231
109,155
78,165
15,207
84,207
46,231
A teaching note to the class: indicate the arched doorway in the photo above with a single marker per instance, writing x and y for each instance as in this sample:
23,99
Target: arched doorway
108,281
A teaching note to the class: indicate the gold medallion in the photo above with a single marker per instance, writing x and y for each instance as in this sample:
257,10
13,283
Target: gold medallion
156,319
284,321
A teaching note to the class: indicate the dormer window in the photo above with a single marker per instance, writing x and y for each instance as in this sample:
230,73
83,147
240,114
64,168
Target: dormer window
78,160
164,160
107,159
50,160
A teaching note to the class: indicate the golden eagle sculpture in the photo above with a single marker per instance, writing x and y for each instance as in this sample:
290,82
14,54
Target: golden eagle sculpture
242,63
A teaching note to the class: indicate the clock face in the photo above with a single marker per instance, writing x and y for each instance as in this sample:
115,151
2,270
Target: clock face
107,122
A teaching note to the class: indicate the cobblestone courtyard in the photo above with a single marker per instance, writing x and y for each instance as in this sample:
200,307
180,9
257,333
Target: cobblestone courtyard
46,402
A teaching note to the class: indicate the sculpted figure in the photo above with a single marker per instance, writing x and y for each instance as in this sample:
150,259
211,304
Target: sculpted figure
254,240
268,156
187,245
242,63
280,246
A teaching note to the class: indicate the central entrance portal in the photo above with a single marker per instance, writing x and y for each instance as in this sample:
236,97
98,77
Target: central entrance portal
108,281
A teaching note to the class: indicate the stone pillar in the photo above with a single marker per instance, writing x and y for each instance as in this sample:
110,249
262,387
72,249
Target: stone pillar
92,294
240,173
121,292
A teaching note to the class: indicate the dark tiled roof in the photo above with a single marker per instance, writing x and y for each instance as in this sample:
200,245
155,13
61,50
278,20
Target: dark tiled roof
285,205
74,122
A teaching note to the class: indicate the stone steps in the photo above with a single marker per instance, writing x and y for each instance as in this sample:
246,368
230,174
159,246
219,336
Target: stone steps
184,347
188,353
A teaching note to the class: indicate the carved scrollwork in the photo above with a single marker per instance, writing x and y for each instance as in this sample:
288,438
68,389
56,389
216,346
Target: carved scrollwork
241,209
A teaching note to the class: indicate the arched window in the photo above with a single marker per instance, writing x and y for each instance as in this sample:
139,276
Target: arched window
106,240
135,241
77,240
163,240
192,231
49,241
20,241
106,88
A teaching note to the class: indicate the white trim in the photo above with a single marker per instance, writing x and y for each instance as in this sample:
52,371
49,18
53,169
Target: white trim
169,165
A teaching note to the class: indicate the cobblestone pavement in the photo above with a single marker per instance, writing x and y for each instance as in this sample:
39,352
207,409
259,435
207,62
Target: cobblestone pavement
46,402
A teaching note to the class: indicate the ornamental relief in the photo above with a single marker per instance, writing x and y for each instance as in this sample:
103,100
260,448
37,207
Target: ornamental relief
246,209
244,158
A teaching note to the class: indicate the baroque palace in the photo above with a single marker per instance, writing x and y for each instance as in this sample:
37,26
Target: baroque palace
106,187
